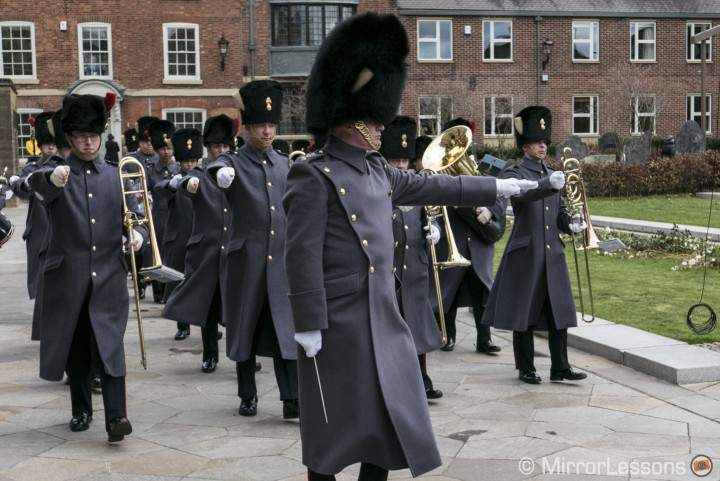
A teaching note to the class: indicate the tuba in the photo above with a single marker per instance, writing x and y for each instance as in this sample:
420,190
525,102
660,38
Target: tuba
447,154
574,192
157,271
293,154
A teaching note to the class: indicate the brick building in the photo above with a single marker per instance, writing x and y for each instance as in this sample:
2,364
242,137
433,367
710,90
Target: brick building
621,65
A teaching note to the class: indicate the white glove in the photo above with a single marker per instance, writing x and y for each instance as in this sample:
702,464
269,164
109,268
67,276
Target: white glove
434,235
578,224
557,180
225,177
13,180
192,185
59,176
137,241
509,187
483,215
311,341
173,184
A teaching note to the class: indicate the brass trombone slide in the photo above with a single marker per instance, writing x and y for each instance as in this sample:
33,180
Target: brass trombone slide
574,192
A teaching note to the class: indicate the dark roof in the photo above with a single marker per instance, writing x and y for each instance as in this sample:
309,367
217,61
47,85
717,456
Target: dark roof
553,8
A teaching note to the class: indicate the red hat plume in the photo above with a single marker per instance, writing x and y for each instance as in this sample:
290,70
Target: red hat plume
109,101
237,125
472,124
31,121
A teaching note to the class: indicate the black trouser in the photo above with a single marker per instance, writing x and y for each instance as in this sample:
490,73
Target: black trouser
479,300
368,472
524,346
427,382
285,374
83,352
210,331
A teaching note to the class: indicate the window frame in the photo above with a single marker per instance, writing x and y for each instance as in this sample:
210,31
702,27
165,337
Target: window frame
14,23
708,55
493,41
593,115
634,46
636,115
593,42
437,116
81,64
690,113
166,53
276,6
21,139
494,116
437,41
185,110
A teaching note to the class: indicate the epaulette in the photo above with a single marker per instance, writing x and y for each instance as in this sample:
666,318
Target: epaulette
312,156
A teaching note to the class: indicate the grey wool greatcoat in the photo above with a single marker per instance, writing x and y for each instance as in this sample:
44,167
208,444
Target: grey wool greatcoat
410,264
85,250
255,268
339,259
178,228
36,221
533,265
470,247
205,256
156,173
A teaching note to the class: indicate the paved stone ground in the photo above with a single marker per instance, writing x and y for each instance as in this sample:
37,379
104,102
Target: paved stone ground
618,424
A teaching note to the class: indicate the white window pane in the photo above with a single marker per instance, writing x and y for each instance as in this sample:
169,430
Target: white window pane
426,29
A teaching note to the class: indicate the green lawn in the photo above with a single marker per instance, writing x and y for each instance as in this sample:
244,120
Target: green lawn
645,293
676,209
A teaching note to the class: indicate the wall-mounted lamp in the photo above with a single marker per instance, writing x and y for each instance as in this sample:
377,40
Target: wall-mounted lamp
547,47
223,44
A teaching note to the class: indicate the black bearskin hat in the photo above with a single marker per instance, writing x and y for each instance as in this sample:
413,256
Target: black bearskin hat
130,139
533,124
398,139
57,130
421,143
459,121
42,128
187,144
260,102
302,144
358,74
160,131
86,113
220,129
281,146
142,125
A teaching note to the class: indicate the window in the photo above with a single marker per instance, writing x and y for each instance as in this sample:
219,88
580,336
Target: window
181,51
694,110
585,41
306,24
186,118
642,41
585,115
95,50
643,114
17,46
434,112
434,39
24,130
498,116
293,111
694,51
497,40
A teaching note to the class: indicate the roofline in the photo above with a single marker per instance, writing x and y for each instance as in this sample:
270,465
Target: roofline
533,13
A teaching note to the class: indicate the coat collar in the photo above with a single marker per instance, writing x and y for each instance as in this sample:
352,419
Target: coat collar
533,165
257,156
158,167
78,165
353,156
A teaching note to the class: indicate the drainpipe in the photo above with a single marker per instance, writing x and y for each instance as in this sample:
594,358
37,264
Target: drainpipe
538,19
251,45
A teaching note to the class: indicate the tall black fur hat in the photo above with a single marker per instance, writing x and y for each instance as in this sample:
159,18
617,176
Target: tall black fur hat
358,74
57,130
42,129
398,138
421,144
187,144
260,102
533,124
160,131
142,125
85,113
220,129
281,146
130,139
459,121
302,144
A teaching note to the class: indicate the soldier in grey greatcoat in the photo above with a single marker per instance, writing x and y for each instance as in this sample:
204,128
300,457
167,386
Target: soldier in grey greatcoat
256,308
198,298
533,272
85,300
339,261
410,254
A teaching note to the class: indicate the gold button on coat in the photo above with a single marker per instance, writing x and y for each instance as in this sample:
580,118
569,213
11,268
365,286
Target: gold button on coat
92,221
326,169
353,217
548,246
87,171
547,208
94,274
269,184
372,269
272,207
90,195
269,258
342,191
547,227
365,243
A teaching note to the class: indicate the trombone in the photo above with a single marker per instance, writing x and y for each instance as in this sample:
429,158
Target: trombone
574,193
130,220
446,154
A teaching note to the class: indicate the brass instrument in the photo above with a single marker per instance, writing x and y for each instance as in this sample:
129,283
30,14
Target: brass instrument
293,154
574,192
447,154
157,271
